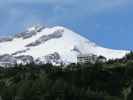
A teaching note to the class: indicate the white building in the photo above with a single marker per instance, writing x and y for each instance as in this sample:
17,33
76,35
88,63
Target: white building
86,58
89,58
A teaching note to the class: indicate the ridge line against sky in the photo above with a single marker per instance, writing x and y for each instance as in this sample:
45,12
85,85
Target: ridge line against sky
106,22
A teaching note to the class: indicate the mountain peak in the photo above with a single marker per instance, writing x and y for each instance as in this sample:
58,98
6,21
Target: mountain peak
35,28
41,43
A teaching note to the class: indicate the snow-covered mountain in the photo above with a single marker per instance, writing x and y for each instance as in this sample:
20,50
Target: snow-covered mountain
50,45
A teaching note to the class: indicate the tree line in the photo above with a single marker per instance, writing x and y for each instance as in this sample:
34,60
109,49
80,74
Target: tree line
111,80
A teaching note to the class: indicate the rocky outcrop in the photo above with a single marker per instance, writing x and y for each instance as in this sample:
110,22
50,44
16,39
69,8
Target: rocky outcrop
5,39
19,52
44,38
24,59
25,35
76,50
29,33
7,60
50,58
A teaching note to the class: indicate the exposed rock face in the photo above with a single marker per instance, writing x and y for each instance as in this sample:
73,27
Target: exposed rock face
7,60
19,52
76,50
25,35
30,32
6,39
51,58
25,59
44,38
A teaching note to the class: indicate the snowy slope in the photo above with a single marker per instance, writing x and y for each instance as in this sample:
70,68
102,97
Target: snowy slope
42,42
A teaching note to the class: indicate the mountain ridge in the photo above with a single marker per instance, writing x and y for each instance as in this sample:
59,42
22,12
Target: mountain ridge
53,45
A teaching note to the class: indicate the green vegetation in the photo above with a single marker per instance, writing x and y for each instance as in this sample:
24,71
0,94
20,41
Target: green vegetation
112,80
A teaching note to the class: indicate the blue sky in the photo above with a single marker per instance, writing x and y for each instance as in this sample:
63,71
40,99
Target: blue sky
107,22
